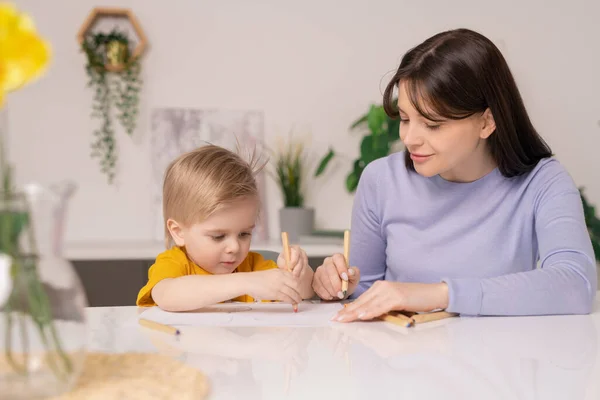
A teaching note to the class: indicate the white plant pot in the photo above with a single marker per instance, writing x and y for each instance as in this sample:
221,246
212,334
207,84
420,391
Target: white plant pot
296,221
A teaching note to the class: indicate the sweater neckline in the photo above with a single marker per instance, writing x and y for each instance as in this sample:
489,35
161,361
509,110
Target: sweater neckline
450,184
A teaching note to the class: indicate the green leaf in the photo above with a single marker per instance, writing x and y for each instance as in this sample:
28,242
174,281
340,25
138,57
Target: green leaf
352,182
354,177
376,119
11,225
393,129
359,121
592,223
324,162
373,147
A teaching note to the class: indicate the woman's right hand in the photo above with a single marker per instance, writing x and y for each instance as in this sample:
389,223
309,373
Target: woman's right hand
274,284
327,281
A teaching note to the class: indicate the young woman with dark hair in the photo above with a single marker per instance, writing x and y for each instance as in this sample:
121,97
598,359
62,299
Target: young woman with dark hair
460,219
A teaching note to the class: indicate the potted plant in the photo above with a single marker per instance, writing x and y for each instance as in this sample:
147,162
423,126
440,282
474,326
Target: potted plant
114,76
377,142
290,165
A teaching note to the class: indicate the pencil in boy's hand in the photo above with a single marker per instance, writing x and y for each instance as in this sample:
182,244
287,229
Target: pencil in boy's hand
346,257
286,252
159,327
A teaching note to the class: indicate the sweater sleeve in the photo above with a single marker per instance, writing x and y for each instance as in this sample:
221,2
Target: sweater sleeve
367,244
566,280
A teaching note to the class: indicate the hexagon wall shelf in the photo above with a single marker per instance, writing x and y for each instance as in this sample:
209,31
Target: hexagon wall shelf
99,13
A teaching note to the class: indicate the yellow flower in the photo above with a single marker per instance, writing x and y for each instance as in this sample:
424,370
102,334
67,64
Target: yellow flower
23,54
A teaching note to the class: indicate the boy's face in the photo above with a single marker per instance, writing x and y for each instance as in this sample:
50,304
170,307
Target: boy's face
220,243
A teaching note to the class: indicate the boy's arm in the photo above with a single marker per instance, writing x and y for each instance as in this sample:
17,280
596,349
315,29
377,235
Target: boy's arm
191,292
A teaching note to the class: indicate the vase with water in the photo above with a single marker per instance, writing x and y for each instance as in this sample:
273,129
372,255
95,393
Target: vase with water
42,301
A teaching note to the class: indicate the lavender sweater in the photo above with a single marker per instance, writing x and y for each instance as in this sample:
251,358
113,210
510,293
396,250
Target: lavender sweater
483,238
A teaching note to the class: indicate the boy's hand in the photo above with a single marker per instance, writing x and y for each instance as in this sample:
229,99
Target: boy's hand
274,284
300,268
298,261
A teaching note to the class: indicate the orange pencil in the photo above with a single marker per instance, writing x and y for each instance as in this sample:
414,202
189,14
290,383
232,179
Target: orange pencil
346,256
286,252
159,327
432,316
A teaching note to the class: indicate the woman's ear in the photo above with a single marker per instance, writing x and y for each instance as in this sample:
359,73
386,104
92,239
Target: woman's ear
488,125
176,231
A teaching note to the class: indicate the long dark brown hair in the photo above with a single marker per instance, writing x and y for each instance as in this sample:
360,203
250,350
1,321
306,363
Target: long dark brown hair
458,73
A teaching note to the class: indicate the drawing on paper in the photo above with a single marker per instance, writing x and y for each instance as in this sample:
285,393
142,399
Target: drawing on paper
177,130
261,314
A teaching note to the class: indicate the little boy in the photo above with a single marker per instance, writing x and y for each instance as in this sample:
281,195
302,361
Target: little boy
210,206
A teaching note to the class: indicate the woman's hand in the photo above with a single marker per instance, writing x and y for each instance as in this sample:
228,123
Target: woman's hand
327,282
385,296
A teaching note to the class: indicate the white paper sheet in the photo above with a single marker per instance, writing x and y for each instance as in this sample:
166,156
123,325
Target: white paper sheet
249,314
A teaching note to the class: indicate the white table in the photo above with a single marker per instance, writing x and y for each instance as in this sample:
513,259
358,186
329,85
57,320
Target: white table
551,357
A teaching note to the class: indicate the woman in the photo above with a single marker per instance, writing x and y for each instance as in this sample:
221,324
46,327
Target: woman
460,219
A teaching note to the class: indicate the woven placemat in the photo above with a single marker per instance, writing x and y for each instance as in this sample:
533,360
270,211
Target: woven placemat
127,376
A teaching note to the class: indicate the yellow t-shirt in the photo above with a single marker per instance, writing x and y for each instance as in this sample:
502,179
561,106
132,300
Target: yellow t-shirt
174,263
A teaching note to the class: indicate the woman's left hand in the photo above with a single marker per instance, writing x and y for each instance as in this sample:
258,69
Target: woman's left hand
385,296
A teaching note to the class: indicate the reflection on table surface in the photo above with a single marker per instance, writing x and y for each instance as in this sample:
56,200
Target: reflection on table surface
551,357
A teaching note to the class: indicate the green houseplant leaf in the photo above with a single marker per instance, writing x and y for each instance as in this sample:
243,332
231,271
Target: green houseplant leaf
354,176
324,162
592,223
376,120
382,133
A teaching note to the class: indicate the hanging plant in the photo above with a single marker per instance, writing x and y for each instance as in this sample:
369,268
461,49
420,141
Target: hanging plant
114,75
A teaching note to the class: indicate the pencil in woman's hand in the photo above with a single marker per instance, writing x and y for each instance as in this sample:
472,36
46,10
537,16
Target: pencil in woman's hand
286,252
346,257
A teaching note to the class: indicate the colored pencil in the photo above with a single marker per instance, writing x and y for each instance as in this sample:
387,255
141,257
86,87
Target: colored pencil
398,319
346,257
286,252
433,316
159,327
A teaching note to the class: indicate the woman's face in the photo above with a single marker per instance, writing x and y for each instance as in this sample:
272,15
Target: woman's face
454,149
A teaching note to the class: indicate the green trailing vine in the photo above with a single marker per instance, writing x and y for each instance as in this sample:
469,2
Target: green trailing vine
115,79
128,89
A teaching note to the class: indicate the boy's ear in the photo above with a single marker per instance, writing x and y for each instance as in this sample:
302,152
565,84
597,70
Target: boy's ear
176,231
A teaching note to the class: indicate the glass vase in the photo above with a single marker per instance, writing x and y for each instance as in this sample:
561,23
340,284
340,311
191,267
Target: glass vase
42,301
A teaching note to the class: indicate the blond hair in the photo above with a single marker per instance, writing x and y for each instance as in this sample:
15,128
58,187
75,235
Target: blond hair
200,182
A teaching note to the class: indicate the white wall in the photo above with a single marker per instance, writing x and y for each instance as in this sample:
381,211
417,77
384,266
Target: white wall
309,63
